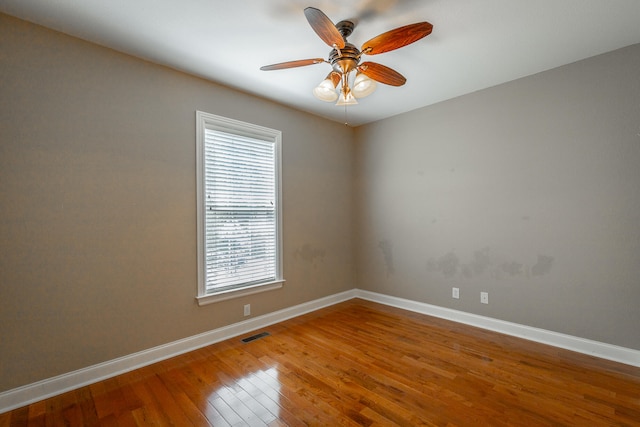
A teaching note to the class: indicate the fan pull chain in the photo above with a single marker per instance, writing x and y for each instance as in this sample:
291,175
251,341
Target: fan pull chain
346,122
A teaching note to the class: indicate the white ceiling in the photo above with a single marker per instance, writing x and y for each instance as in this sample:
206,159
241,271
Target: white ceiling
475,44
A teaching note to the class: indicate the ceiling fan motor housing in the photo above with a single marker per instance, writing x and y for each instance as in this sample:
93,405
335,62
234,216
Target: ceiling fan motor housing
345,59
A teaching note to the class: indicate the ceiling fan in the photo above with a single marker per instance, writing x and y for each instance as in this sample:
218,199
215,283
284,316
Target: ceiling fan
345,58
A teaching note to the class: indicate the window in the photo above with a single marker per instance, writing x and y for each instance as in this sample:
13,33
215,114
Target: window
239,221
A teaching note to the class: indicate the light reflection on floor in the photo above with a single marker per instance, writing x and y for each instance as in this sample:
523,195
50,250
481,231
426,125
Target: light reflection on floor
253,399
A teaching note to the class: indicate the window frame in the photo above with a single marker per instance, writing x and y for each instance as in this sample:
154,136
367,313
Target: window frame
206,121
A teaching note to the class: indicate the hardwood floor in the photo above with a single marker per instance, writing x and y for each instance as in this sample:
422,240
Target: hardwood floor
358,363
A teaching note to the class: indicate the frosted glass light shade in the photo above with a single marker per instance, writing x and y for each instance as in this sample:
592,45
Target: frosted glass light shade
325,91
363,86
346,98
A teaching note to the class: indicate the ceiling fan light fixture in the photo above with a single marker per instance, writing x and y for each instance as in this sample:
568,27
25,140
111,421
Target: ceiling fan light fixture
363,85
346,98
344,58
326,91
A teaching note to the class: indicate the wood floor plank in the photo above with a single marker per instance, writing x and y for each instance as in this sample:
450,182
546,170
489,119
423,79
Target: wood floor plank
19,417
37,414
225,410
192,409
358,363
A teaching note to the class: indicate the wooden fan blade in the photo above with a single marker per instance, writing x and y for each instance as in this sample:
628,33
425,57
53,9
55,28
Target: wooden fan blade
323,27
292,64
382,74
397,38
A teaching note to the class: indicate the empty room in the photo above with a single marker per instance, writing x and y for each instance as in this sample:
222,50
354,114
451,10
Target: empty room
328,213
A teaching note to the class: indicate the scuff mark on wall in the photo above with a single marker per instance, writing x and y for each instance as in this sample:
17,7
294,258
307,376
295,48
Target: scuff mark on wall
543,266
310,254
482,260
486,264
512,268
446,264
387,251
466,271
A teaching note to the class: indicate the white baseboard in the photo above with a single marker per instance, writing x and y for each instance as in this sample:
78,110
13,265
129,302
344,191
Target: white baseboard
40,390
581,345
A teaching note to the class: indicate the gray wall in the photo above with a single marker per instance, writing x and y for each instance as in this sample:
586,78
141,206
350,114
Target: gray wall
528,190
97,204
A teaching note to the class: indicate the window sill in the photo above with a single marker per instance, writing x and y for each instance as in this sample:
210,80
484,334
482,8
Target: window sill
237,293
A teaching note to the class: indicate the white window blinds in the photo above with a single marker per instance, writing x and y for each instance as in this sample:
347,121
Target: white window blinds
240,202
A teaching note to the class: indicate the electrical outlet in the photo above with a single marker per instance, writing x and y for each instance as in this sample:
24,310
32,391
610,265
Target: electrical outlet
247,309
484,297
455,293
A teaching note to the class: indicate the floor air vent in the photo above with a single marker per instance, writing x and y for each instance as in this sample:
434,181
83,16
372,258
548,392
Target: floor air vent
255,337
